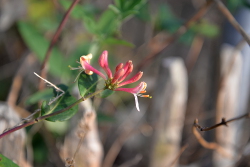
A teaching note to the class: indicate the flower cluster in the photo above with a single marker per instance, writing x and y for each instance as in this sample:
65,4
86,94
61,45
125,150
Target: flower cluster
116,81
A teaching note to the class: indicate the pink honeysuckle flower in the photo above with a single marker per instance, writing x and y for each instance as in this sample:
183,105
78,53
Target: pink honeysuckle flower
114,82
136,91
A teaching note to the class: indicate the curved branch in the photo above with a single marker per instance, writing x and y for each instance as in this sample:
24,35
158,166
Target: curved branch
210,145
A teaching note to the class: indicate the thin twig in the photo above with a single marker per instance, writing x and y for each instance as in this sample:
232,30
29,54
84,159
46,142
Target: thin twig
232,20
54,86
183,148
183,29
133,161
125,131
84,127
53,41
116,147
194,52
209,145
223,122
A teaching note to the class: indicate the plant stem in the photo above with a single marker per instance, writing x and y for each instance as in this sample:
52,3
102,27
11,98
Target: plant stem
36,120
53,42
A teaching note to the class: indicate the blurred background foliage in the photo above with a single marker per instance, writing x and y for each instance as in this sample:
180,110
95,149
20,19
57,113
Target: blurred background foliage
93,26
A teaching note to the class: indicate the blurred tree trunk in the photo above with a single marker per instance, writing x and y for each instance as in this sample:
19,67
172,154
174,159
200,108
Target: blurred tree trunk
169,112
90,153
13,145
227,104
236,95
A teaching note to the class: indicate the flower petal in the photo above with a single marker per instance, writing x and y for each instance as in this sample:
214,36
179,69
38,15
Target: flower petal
128,68
89,69
134,90
118,75
103,62
118,67
135,78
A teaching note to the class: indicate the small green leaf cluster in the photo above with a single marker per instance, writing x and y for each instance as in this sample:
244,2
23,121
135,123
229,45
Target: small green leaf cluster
87,85
166,20
233,5
106,27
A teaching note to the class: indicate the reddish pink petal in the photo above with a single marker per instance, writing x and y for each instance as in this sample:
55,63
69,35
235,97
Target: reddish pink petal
118,75
134,90
88,67
103,61
118,67
135,78
127,65
128,70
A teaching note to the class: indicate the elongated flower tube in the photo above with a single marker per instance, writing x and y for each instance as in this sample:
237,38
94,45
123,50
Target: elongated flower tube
114,82
85,62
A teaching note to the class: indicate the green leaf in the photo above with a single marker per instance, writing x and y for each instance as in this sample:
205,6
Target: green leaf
5,162
106,93
59,128
114,9
108,23
129,13
233,5
85,13
114,41
41,95
133,4
61,103
166,20
129,7
87,83
118,3
79,11
38,44
206,29
90,25
144,13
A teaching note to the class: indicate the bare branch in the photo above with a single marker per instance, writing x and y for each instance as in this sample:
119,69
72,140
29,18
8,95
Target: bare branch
223,122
